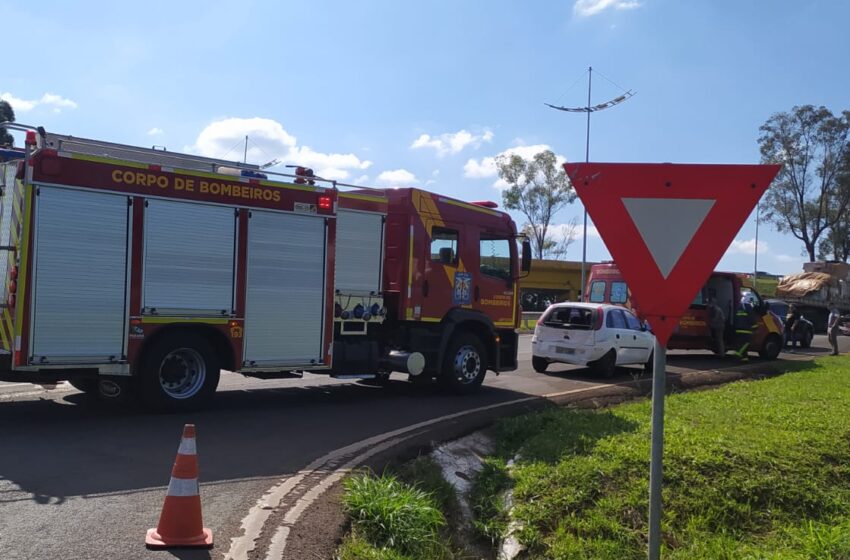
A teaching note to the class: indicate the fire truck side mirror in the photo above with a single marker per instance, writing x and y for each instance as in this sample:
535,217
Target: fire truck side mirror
526,256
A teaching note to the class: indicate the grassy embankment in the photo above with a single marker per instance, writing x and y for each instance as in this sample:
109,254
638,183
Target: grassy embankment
753,470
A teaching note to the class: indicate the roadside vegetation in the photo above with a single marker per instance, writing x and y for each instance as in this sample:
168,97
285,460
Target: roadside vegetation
404,514
753,470
756,470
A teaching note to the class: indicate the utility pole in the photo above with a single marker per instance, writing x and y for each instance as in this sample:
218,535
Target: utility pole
589,109
756,259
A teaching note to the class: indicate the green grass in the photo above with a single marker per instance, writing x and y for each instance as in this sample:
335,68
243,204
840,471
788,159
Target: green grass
400,515
753,470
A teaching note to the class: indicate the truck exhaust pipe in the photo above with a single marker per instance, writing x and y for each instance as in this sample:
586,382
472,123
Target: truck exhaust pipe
405,362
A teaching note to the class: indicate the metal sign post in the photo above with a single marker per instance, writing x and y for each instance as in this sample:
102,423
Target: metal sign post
656,453
667,226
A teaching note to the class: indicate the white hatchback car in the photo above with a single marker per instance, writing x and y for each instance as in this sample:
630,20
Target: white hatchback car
600,336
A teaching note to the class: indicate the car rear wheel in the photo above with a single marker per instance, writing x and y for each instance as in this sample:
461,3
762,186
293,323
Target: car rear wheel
605,366
539,364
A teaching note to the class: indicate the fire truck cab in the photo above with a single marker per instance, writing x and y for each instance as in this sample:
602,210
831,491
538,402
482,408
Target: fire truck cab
606,284
134,272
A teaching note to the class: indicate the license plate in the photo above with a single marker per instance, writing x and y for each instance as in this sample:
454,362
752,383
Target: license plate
562,350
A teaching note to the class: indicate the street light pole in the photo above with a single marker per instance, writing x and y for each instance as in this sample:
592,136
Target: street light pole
589,109
586,160
756,259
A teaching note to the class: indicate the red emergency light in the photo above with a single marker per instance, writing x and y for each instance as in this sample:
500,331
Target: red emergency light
325,203
485,203
31,138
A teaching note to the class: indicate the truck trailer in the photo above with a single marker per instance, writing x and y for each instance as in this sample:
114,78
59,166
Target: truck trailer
142,273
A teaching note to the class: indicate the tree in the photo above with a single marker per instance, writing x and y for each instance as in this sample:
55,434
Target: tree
6,114
555,246
538,188
811,193
836,244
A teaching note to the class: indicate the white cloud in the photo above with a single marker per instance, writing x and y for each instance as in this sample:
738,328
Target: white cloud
155,131
786,258
50,100
587,8
747,247
397,177
451,142
267,140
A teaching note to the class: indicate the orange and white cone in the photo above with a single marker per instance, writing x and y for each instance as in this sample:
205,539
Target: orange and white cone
180,523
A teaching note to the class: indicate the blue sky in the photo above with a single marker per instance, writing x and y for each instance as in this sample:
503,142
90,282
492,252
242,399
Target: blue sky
427,93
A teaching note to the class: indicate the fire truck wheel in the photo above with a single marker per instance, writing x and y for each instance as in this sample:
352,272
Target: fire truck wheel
539,364
771,347
180,371
465,365
88,386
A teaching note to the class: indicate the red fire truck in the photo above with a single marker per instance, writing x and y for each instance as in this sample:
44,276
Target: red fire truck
139,272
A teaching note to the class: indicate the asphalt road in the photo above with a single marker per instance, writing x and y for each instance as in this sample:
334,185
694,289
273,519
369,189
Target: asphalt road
80,481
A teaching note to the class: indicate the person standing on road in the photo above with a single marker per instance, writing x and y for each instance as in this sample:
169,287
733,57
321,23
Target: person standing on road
792,321
717,325
832,328
745,326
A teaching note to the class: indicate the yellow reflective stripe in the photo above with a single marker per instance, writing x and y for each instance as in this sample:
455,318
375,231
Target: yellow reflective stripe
25,256
431,319
7,320
166,320
471,206
4,337
17,209
101,159
371,197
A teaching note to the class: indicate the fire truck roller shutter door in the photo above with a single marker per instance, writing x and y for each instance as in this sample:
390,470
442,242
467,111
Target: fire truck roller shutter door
359,240
284,316
188,258
80,275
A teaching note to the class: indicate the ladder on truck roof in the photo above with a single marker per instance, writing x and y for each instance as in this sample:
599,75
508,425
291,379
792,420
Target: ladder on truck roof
153,156
100,148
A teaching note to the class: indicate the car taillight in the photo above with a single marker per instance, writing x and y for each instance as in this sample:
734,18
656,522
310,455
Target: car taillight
599,319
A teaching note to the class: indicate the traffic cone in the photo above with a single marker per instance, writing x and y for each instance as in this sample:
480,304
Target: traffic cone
180,523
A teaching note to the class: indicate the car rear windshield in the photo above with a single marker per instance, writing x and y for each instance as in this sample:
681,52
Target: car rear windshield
569,318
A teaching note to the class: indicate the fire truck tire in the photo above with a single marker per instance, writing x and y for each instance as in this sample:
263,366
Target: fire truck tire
771,348
465,365
179,372
87,386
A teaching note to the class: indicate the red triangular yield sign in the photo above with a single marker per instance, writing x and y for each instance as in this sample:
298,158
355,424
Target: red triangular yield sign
668,225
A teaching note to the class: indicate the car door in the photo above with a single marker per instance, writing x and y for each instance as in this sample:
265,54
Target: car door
641,343
618,333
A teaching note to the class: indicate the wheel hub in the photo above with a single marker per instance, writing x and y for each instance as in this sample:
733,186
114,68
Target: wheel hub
182,373
467,364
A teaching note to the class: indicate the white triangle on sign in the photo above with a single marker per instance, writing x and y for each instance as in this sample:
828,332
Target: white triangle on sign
667,225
